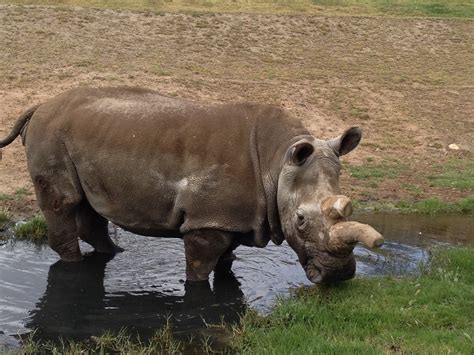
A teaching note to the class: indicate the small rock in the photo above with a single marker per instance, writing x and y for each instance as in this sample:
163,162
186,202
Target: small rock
453,146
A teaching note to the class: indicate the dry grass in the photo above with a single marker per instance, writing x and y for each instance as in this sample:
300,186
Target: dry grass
407,82
431,8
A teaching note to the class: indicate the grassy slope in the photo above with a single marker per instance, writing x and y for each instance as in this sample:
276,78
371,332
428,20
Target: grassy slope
432,8
433,313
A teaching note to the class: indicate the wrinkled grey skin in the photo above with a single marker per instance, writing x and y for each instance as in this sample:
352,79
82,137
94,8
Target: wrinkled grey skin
217,176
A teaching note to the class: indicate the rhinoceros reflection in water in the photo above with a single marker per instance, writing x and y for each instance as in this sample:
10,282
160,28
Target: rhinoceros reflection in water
76,305
218,176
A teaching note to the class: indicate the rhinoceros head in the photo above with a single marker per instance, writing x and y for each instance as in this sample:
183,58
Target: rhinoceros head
312,212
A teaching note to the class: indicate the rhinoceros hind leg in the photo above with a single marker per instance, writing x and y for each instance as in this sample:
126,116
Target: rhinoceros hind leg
62,235
58,200
93,229
203,248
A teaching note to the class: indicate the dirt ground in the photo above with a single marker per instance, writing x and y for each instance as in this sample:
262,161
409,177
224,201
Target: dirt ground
408,83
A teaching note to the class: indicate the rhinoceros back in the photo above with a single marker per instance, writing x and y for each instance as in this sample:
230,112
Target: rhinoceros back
155,165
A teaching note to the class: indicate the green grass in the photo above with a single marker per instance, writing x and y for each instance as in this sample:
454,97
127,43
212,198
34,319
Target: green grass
34,229
6,197
430,206
437,206
423,8
19,194
22,192
5,219
162,342
372,170
456,173
430,314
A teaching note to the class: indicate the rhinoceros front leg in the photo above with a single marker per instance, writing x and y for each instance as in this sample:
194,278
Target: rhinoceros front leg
203,248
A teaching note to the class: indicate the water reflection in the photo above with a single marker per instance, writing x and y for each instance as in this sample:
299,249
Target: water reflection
76,304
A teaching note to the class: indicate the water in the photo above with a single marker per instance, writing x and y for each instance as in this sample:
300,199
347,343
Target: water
143,288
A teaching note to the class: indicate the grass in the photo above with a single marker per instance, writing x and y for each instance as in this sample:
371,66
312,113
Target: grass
17,195
437,206
423,8
384,169
455,173
432,313
22,192
6,197
5,219
34,229
431,206
162,342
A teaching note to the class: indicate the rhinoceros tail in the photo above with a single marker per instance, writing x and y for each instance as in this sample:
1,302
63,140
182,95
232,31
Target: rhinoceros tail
17,128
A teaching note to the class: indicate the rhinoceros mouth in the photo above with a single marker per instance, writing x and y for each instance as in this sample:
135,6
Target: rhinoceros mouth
330,268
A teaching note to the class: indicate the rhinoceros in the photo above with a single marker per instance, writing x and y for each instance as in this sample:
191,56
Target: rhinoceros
217,176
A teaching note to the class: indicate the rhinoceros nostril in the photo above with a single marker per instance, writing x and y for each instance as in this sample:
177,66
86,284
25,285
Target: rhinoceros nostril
313,273
300,219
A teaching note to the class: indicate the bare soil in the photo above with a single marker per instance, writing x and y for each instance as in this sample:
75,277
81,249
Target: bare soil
409,83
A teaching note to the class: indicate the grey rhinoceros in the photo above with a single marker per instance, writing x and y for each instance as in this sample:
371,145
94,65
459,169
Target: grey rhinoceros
218,176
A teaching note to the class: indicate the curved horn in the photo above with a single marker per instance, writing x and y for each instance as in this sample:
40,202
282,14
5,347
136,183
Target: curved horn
345,235
337,206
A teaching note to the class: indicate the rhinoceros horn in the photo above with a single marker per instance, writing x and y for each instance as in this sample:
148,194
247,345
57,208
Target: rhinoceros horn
344,235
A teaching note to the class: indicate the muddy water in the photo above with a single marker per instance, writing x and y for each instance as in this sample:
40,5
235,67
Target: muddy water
143,287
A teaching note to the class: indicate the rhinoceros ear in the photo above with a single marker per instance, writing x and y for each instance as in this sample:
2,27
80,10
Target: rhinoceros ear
346,142
300,152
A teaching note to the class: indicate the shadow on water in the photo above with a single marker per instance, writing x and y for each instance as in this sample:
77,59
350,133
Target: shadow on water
142,288
76,305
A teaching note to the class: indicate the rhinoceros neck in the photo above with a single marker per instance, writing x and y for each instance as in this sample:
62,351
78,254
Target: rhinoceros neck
274,132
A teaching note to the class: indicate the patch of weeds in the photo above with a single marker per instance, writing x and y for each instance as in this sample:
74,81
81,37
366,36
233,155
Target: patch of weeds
412,188
21,192
34,229
6,197
430,206
5,219
456,173
385,169
162,342
373,184
427,8
437,206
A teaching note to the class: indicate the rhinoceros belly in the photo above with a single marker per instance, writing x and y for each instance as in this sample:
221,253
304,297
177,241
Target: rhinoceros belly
159,199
